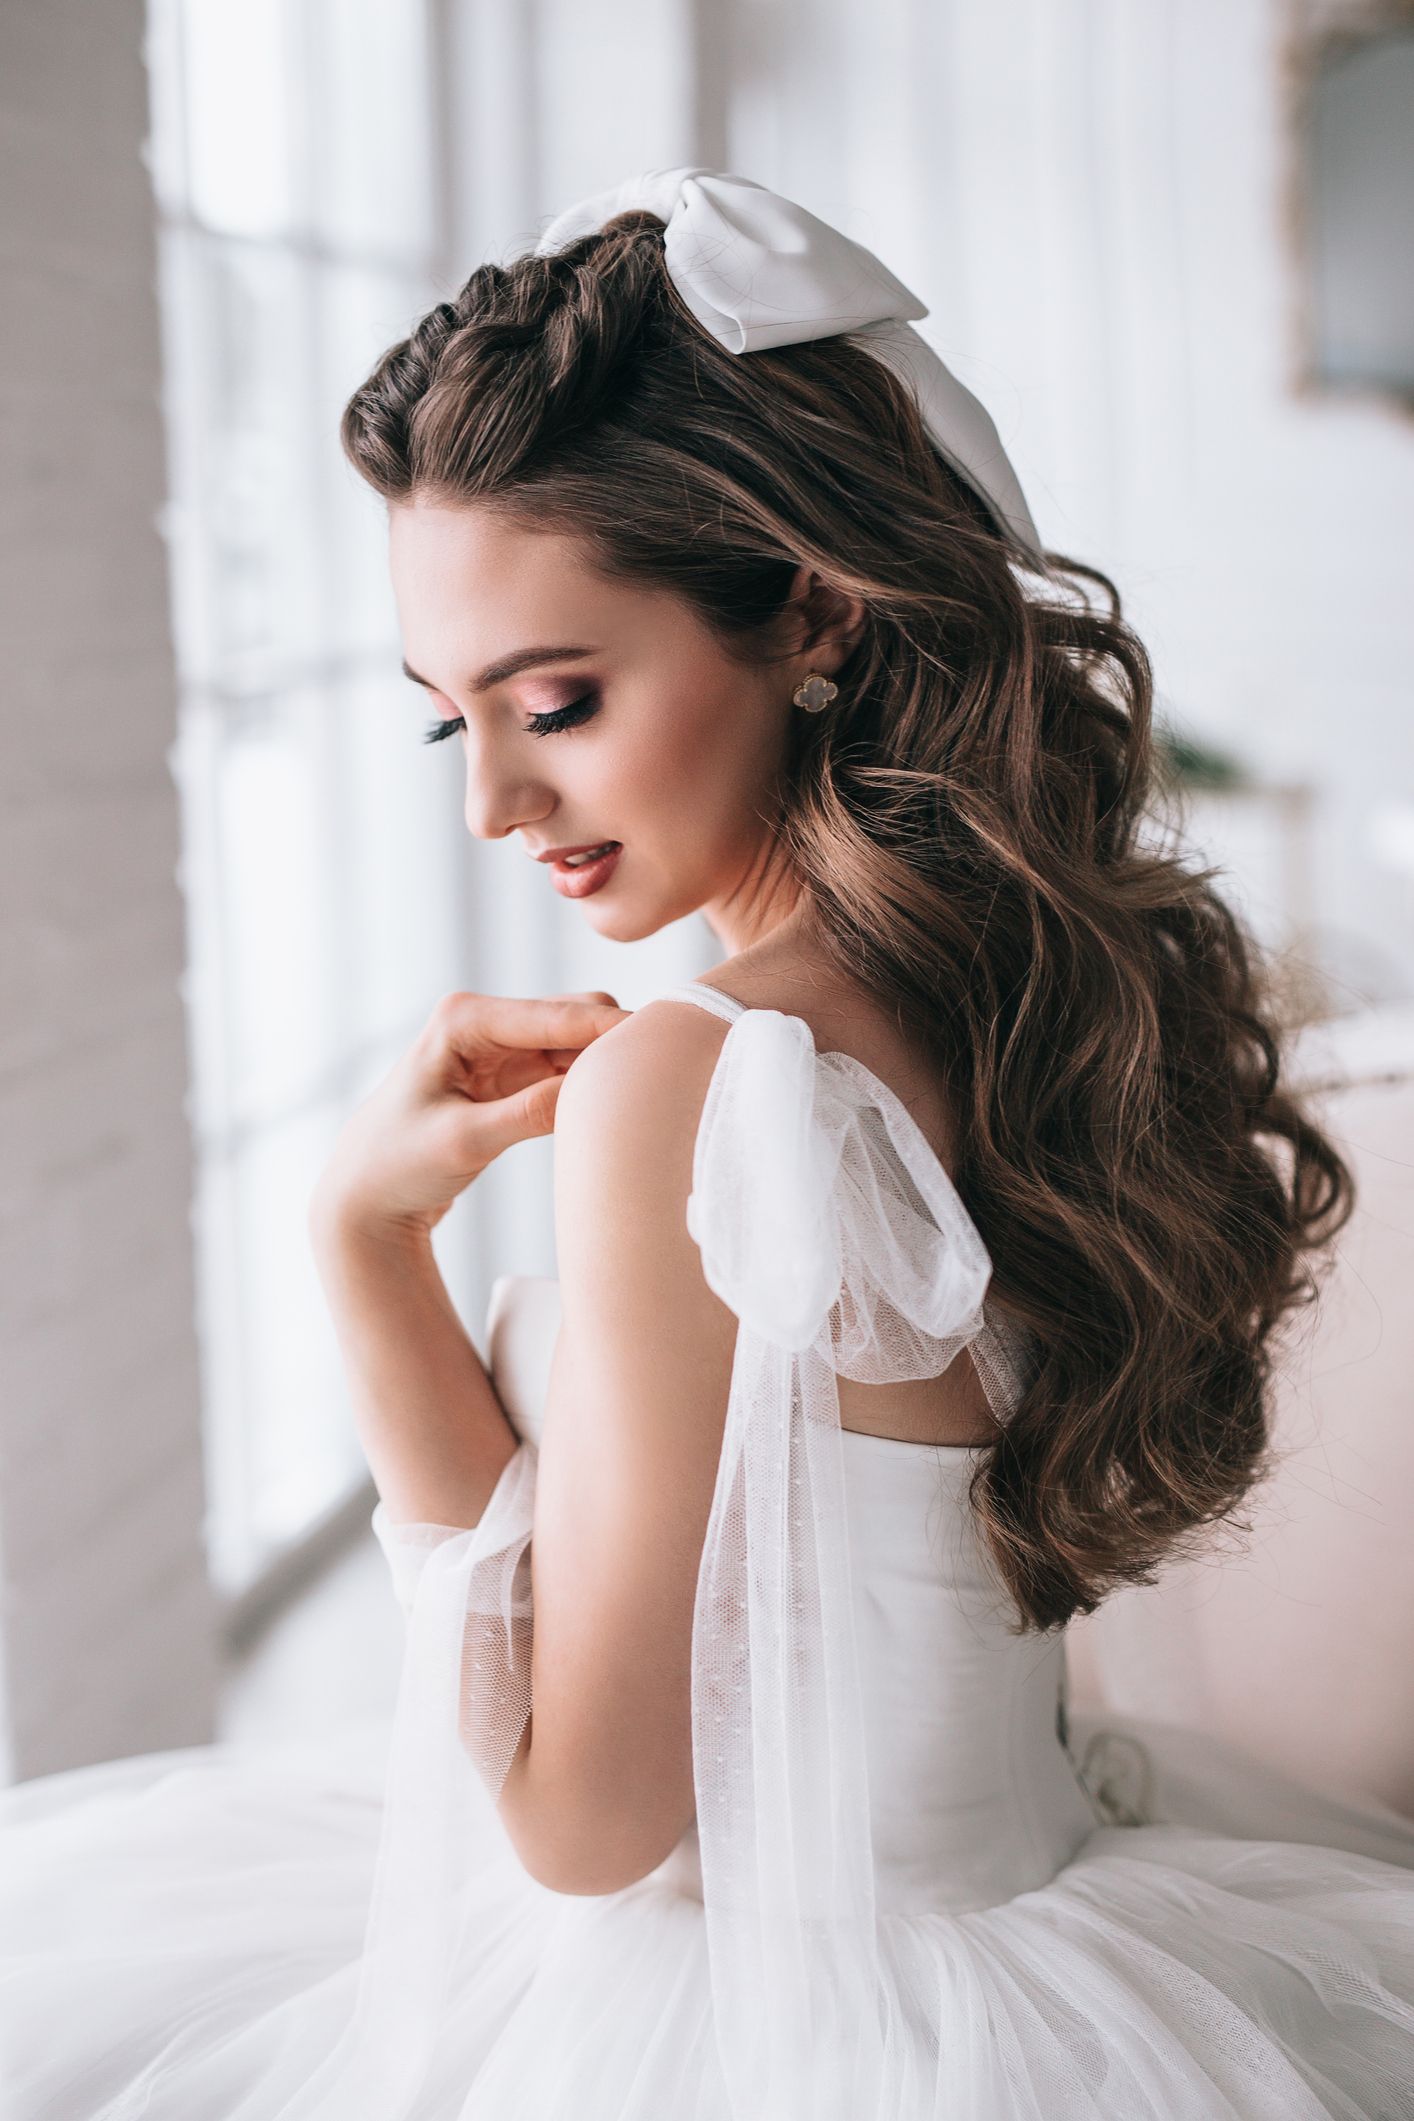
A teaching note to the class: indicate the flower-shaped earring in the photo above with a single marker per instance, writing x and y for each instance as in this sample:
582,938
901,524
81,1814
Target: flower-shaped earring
814,692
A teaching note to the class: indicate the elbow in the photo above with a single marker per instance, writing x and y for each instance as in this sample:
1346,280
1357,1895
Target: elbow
581,1856
583,1874
590,1828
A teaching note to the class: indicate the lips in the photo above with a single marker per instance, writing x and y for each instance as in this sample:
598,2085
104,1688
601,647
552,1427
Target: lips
577,880
557,854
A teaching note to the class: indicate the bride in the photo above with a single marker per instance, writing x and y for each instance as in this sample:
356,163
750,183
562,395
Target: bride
918,1270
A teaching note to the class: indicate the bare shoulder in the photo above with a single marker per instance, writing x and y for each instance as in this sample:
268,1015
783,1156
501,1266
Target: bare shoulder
843,1017
626,1122
646,1078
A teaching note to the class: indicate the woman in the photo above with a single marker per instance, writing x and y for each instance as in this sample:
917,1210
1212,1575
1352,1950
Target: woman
918,1272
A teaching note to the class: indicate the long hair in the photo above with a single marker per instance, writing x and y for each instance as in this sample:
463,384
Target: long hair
968,824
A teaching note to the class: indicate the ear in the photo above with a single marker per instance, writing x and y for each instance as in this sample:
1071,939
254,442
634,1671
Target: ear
826,622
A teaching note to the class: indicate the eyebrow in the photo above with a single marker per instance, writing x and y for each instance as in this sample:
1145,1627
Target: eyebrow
509,666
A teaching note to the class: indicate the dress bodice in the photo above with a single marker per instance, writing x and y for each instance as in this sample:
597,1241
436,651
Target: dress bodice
972,1793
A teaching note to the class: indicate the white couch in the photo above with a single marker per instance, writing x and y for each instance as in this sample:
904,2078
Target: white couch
1297,1641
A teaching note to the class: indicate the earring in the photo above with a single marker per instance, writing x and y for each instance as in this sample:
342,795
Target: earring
815,692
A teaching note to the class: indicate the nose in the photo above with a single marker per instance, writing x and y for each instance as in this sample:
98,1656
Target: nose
499,797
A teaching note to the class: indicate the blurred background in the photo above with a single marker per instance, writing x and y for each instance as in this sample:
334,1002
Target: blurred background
1168,242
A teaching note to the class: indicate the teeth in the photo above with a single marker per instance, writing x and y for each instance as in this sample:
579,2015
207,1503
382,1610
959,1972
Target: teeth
577,861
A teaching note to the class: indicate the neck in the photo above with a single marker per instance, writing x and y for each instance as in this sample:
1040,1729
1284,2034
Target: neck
766,902
739,928
782,930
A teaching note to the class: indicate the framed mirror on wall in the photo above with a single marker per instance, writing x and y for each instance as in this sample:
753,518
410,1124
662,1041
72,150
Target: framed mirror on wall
1351,69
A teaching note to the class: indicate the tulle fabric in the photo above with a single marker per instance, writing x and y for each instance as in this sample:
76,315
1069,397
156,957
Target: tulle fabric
180,1936
340,1931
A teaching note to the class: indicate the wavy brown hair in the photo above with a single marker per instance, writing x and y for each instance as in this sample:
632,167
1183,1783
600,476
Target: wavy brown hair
968,823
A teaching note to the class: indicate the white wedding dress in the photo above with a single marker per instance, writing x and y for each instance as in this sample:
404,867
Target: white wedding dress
914,1888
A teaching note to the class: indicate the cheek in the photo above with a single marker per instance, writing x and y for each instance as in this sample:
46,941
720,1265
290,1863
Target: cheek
672,763
723,746
688,769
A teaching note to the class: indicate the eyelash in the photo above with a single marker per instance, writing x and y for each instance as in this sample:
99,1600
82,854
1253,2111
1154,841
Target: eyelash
567,717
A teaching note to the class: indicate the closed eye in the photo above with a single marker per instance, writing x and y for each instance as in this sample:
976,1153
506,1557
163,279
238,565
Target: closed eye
438,732
567,717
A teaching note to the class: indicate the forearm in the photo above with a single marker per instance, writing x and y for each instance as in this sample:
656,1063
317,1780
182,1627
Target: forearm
432,1428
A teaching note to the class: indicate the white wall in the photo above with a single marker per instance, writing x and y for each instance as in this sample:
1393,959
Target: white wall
106,1641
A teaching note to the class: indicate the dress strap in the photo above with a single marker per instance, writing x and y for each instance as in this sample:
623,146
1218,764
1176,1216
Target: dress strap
712,998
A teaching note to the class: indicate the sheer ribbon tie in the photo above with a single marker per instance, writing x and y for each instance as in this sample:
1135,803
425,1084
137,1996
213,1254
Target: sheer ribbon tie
827,1224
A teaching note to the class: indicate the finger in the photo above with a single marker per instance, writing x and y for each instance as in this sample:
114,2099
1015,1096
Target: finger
510,1068
476,1024
508,1120
504,1072
515,1068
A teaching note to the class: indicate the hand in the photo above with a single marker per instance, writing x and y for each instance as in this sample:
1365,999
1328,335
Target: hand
485,1071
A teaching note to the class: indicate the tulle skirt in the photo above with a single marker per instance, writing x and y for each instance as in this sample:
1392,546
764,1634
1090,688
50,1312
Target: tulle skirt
181,1939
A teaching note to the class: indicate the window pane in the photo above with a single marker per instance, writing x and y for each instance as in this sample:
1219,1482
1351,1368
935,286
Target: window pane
362,313
244,541
241,153
304,1449
400,815
282,1405
372,181
278,923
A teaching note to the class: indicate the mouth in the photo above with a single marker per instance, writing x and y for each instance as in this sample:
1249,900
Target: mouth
579,871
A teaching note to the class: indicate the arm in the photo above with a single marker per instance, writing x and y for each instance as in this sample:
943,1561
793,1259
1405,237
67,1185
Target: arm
484,1072
599,1786
432,1429
602,1785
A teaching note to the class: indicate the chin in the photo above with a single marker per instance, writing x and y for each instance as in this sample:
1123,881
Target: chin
636,919
626,924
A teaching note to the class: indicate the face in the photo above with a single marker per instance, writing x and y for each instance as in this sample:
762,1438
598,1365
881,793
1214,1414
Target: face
617,716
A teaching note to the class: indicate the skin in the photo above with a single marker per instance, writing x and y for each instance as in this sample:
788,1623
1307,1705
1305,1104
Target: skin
678,764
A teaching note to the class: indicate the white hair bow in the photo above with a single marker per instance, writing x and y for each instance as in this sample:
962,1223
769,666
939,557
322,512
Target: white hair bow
757,270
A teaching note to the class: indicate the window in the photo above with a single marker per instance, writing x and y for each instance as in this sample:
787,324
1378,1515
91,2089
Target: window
295,159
